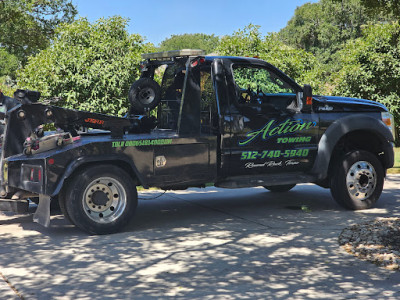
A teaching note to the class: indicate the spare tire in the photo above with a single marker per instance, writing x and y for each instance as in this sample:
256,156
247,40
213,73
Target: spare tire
144,95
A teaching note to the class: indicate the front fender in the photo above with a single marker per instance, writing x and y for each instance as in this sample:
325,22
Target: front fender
343,126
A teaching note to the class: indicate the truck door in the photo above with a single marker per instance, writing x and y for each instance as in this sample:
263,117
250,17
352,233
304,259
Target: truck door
192,156
270,133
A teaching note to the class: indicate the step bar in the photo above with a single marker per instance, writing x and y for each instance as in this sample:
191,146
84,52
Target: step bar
15,206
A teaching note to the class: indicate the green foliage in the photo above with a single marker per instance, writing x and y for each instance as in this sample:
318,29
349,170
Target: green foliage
322,27
389,7
27,26
244,42
250,42
91,66
260,80
8,63
190,41
7,86
371,67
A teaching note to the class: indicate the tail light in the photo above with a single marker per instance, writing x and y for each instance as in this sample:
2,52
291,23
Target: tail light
31,173
198,61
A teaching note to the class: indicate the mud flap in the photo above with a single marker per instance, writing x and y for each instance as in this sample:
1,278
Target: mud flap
42,214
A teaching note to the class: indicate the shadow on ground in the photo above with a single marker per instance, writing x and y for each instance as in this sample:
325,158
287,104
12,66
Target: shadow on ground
203,243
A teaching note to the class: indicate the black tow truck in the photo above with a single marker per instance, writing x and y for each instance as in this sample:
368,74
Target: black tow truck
194,119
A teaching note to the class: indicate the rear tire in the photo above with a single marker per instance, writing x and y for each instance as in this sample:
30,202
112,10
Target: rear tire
101,199
280,188
63,208
357,180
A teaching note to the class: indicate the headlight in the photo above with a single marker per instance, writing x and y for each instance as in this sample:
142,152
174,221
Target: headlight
388,120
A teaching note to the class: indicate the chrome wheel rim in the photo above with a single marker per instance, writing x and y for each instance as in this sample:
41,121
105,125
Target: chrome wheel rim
104,200
147,95
361,180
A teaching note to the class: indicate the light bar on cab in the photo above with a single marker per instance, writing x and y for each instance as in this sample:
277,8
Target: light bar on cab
173,53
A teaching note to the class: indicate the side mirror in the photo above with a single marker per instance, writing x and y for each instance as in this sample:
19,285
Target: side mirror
307,94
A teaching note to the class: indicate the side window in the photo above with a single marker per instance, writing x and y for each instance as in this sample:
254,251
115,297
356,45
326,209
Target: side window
208,116
171,96
173,78
260,87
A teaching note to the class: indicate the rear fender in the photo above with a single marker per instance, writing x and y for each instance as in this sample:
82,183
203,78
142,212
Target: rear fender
81,161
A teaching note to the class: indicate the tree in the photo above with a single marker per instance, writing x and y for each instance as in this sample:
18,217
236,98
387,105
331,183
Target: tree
371,67
27,26
7,86
190,41
296,63
323,27
8,63
388,7
91,66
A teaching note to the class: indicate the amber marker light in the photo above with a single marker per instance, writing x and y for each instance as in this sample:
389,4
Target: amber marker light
388,120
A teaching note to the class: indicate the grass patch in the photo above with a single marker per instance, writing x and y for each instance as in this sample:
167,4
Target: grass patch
396,167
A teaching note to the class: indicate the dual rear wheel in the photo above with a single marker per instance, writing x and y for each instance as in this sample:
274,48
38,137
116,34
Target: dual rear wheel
100,200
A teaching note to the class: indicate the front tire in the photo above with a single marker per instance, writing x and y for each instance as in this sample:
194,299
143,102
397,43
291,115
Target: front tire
101,199
357,181
280,188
